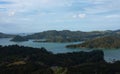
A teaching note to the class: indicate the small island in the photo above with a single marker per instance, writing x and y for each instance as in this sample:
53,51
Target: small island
19,39
110,42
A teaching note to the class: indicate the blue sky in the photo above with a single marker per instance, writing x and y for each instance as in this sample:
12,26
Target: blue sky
18,16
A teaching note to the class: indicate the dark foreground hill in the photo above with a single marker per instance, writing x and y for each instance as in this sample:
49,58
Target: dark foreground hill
26,60
103,42
28,54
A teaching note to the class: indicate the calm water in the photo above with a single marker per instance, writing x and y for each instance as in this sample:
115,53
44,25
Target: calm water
110,55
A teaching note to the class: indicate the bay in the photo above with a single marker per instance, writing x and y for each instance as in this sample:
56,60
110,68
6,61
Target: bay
110,55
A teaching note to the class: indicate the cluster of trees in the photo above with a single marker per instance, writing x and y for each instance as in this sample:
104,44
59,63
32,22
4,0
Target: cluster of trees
88,68
26,60
103,42
29,68
21,53
68,36
95,68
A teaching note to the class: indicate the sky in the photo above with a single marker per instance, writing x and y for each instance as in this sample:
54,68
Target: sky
19,16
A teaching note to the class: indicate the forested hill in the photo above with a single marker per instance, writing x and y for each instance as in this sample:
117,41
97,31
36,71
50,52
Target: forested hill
103,42
3,35
18,38
69,36
15,53
26,60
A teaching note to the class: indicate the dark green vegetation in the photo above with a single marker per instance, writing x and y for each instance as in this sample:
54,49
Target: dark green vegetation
19,39
2,35
103,42
95,68
26,60
28,54
70,36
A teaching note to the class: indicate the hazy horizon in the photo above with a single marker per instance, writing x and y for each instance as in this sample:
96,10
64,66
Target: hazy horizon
30,16
53,30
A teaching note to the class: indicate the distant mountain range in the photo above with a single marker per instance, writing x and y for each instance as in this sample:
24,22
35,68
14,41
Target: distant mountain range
68,36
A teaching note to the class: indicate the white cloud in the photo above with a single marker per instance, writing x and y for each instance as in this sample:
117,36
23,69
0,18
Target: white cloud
11,13
81,15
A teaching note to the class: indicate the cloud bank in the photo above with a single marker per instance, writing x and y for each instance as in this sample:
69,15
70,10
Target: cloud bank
39,15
